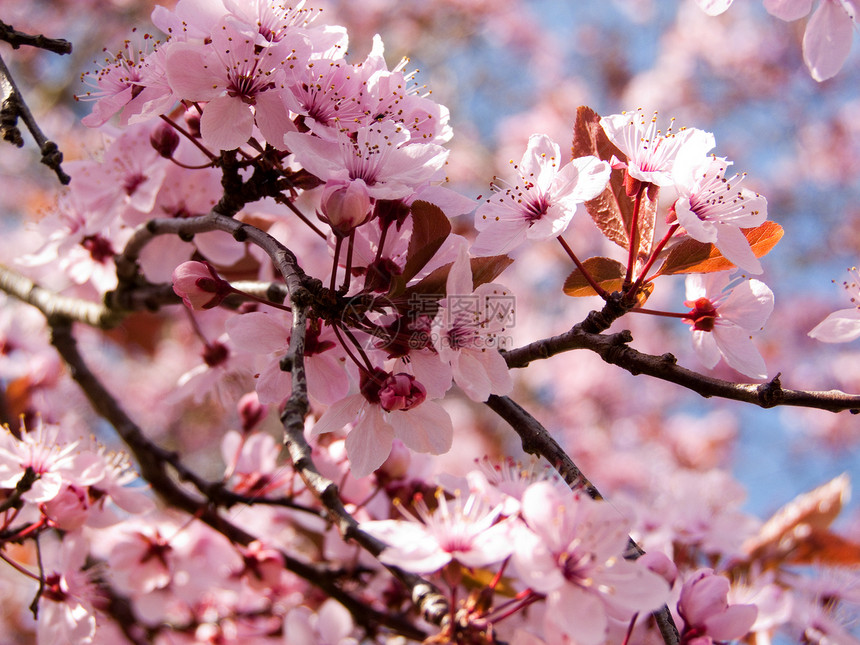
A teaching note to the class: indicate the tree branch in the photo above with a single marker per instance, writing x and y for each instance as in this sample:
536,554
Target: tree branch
152,469
17,38
614,349
13,106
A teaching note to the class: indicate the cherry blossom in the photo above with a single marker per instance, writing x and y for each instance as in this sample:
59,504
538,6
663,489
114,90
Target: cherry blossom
723,316
711,208
264,333
651,153
388,406
240,84
542,202
461,530
382,155
199,285
842,326
467,331
707,615
572,552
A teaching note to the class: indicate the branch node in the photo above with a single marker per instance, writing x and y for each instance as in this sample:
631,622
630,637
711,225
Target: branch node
770,394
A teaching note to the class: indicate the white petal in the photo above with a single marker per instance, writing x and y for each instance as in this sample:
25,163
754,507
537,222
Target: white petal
738,350
749,305
714,7
735,247
788,9
839,327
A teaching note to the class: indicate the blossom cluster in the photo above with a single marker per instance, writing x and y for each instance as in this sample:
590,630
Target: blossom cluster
296,202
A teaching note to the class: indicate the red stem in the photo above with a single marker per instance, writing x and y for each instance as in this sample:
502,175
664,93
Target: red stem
674,227
600,290
632,237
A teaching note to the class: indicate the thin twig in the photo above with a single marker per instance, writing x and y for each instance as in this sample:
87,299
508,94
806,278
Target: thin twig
14,106
17,38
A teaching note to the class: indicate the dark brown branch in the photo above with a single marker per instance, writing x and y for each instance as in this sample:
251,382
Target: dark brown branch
537,441
17,38
13,107
614,349
426,597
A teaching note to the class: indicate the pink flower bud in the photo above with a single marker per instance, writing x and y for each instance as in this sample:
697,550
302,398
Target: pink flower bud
401,392
660,564
345,204
706,611
251,411
199,286
165,140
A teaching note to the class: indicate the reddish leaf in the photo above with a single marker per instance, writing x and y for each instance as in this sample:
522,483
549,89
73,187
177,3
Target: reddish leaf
484,270
612,210
807,515
607,273
430,229
691,256
819,548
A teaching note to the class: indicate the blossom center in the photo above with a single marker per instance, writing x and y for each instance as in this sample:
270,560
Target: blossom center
703,315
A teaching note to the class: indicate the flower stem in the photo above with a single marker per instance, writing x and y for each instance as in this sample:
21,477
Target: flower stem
632,291
579,265
633,235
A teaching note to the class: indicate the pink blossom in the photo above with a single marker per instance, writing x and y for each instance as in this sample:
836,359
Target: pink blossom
842,326
467,332
707,615
381,154
66,612
712,208
332,624
828,35
264,333
572,552
423,426
461,530
542,202
722,318
240,84
650,153
53,461
199,285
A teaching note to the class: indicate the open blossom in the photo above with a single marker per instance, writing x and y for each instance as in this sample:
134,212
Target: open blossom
542,202
707,615
712,209
240,83
651,153
467,332
260,332
843,325
722,318
462,530
828,35
572,552
387,406
382,155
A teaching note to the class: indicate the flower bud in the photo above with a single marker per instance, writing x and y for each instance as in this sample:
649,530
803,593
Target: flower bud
251,411
165,140
401,392
345,204
199,286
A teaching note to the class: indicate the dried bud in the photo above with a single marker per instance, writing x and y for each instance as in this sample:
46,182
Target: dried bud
199,286
345,204
165,140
